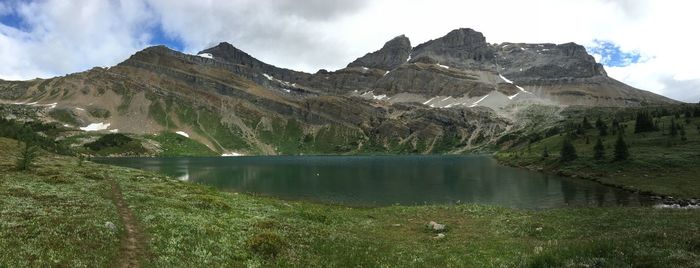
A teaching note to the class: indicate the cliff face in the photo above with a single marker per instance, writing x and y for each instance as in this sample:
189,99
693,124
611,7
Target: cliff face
451,94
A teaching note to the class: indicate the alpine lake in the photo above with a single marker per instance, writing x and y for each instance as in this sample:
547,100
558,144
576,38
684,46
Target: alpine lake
366,181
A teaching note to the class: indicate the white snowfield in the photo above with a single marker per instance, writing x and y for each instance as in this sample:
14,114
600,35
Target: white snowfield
370,95
232,154
182,133
50,105
95,127
443,66
116,130
272,78
522,90
206,55
480,100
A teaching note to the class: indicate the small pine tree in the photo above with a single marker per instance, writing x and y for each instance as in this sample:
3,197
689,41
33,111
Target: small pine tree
585,124
26,157
644,123
81,159
599,150
602,127
683,137
615,126
545,153
568,151
674,128
621,150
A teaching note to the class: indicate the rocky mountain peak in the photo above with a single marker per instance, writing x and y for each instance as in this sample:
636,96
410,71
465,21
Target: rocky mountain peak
464,48
463,37
534,63
394,53
229,53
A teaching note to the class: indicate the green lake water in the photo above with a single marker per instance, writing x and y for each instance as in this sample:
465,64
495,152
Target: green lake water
386,180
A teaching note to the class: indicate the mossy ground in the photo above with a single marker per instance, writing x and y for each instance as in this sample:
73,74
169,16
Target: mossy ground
55,216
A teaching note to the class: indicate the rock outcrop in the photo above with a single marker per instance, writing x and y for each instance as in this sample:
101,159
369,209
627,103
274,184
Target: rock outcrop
394,53
461,48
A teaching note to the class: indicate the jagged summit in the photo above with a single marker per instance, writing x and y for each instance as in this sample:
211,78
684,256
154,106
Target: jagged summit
394,53
534,63
230,53
464,48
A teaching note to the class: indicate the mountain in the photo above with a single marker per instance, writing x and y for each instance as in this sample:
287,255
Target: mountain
453,94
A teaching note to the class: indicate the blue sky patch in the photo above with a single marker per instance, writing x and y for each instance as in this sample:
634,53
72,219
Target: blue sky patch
610,54
12,19
160,37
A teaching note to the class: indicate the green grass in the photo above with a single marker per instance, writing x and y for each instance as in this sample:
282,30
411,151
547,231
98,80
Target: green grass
64,116
55,215
115,144
658,163
173,144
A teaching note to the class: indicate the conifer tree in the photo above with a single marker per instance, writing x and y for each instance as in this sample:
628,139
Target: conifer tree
585,124
674,128
599,150
683,137
644,123
26,157
568,151
621,150
602,127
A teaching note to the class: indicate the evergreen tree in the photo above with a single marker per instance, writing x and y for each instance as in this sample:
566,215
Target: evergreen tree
545,153
644,123
683,137
585,124
599,150
568,151
674,128
621,150
602,127
27,156
615,126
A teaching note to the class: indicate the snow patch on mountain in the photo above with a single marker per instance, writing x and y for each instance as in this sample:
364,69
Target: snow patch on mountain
96,127
206,55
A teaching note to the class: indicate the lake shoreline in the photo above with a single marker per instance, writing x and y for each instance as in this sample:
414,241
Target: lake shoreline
665,200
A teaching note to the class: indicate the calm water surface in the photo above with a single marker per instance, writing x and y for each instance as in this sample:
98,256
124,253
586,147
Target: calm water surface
386,180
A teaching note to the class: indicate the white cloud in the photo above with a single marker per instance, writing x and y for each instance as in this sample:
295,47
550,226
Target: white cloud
69,36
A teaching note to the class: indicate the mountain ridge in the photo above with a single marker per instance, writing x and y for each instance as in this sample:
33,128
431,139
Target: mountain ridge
445,95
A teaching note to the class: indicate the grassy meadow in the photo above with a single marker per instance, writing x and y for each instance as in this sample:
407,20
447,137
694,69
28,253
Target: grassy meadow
57,214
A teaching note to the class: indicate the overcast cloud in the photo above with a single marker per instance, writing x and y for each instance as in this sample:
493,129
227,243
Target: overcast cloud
653,41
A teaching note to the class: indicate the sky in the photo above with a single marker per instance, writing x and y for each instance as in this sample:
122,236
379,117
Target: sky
648,44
